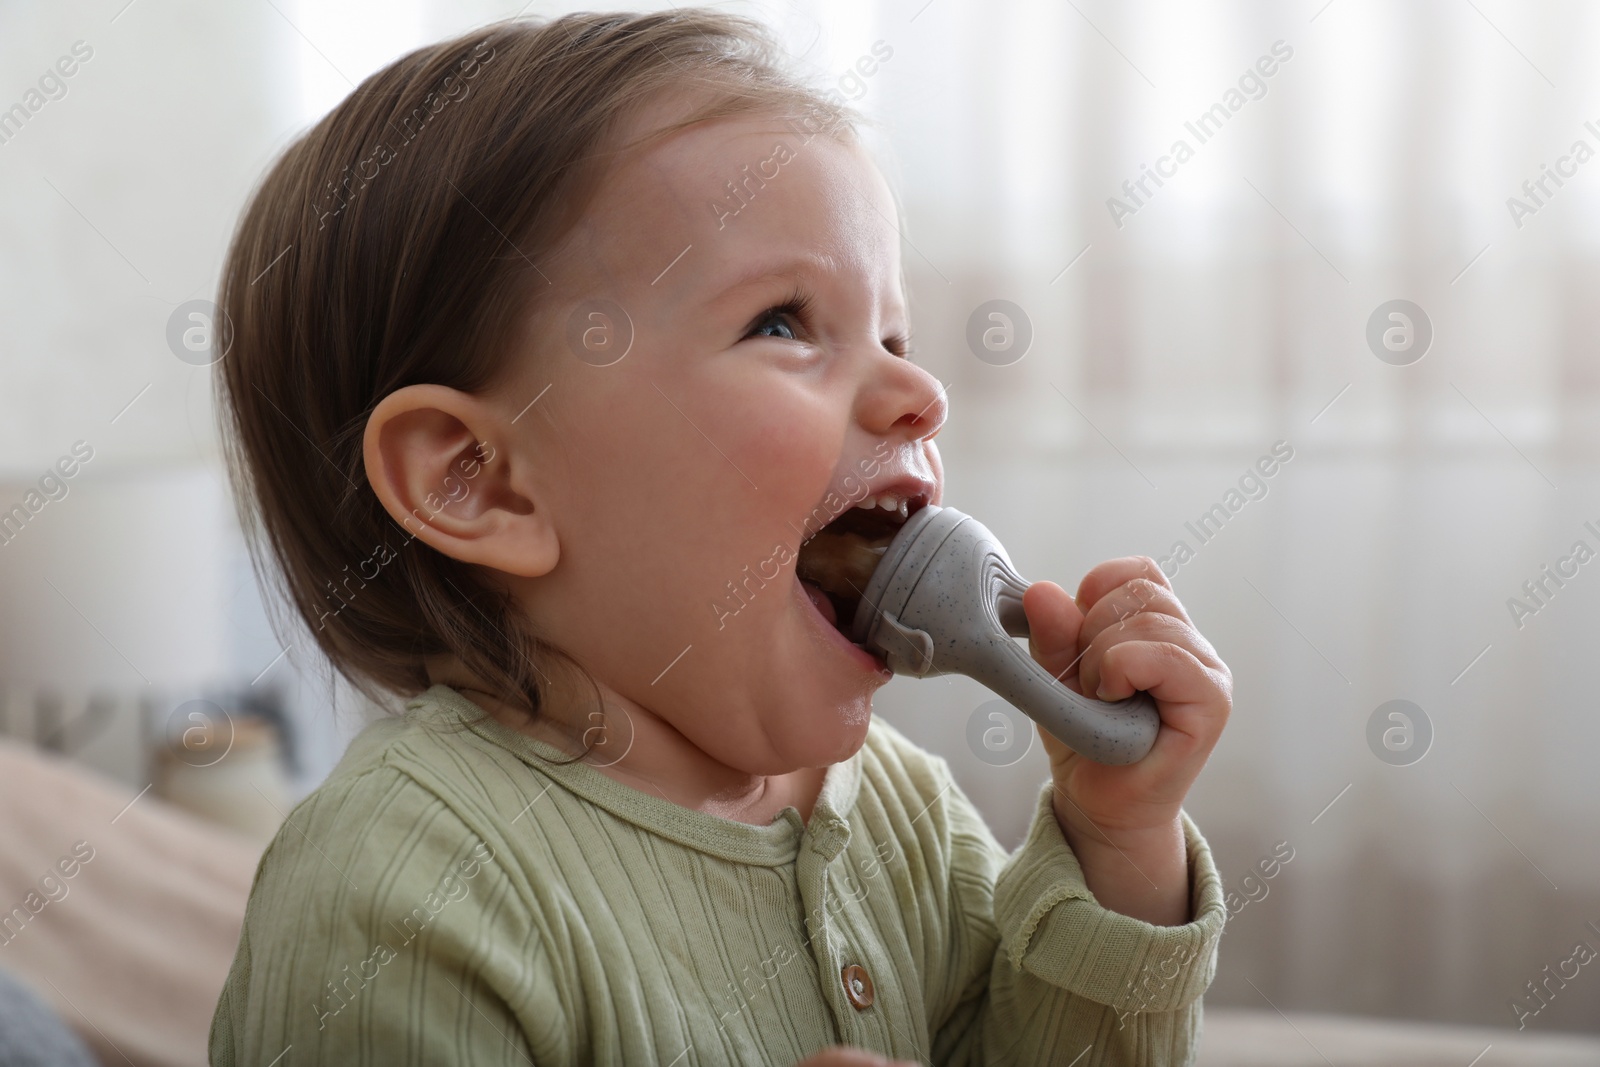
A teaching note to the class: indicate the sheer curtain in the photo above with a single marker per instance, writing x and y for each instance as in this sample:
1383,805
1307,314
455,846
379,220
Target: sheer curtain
1179,334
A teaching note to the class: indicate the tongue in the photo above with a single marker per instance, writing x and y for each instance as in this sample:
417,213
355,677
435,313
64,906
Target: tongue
820,599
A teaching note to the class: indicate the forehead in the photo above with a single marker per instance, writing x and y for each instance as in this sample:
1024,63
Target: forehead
713,205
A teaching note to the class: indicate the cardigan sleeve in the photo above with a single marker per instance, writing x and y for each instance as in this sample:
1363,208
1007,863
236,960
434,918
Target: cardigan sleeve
1070,982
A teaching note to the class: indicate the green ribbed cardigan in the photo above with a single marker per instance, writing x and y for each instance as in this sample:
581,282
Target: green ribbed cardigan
449,896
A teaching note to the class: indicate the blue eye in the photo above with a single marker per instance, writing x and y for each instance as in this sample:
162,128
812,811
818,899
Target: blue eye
793,312
775,319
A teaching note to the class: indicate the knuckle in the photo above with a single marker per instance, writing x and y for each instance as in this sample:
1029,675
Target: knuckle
1152,625
1152,570
1146,590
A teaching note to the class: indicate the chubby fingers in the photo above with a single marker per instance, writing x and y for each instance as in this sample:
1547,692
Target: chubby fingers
1195,697
1129,599
1120,590
1115,574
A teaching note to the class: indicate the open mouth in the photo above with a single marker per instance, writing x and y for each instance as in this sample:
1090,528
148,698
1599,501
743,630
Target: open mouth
836,563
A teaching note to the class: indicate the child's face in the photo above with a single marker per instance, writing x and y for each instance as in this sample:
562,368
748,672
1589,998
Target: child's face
695,461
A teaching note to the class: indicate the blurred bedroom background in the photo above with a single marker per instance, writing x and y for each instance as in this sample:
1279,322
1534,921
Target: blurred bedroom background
1160,336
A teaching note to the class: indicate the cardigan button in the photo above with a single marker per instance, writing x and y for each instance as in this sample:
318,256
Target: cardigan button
858,986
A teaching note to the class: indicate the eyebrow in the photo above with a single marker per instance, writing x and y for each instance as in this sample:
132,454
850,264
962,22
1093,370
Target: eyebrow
793,268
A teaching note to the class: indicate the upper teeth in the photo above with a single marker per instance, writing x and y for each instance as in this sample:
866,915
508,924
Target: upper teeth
888,502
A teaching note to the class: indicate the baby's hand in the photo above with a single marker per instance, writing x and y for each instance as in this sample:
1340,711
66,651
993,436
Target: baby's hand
1125,632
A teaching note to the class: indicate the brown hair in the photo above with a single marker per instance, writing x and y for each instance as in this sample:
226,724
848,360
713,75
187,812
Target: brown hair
396,243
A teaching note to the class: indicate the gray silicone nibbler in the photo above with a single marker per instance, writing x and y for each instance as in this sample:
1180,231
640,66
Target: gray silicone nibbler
945,599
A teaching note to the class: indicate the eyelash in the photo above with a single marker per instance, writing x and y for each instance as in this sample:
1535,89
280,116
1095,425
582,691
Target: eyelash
800,305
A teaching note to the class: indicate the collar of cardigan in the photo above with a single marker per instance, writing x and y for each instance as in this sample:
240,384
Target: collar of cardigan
778,842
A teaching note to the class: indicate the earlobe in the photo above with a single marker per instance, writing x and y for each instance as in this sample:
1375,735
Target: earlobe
442,464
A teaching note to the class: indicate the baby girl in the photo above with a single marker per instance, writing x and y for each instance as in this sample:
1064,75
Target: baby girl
516,402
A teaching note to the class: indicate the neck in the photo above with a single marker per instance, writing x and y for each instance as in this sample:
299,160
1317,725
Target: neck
633,745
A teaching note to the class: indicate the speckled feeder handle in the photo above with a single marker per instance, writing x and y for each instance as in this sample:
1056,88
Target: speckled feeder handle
945,599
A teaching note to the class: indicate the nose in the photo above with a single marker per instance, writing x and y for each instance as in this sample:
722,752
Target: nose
900,399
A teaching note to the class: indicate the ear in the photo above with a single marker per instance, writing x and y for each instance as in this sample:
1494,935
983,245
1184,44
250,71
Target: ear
442,465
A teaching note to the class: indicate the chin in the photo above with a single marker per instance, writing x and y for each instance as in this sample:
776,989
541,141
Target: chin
811,738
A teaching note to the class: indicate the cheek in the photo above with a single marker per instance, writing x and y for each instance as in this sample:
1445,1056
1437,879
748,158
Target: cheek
672,485
793,457
764,448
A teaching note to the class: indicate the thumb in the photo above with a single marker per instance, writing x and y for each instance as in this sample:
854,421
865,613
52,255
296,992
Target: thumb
1054,623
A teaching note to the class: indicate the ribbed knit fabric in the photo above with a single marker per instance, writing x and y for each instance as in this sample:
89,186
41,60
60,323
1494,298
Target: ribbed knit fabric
451,896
